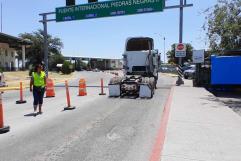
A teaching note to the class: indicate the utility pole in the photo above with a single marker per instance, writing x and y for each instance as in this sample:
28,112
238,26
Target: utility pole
164,38
46,52
164,46
1,17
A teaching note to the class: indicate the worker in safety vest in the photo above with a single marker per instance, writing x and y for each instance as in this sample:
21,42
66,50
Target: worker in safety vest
37,86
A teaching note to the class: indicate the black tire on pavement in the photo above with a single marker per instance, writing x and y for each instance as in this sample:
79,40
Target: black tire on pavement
5,129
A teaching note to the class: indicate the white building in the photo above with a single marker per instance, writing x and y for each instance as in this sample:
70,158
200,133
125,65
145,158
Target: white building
9,46
7,57
116,63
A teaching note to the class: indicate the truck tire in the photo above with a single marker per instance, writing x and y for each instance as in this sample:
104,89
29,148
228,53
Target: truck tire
155,84
152,82
156,79
194,82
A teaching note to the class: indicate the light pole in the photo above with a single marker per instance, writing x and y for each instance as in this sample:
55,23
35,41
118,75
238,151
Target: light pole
164,38
164,46
1,17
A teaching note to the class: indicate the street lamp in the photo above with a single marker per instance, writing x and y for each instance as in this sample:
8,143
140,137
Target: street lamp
164,46
164,39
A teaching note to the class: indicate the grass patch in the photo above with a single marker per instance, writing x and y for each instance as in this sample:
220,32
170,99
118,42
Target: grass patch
14,78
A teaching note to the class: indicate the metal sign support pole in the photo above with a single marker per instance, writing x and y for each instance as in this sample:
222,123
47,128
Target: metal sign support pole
183,4
180,73
45,45
46,52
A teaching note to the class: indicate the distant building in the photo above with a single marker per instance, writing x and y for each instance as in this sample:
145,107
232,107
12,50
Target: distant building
116,64
106,64
100,63
9,46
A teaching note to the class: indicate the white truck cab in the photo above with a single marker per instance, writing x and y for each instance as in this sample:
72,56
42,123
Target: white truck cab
141,64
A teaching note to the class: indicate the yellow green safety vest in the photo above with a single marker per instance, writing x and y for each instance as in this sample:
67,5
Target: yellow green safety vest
38,79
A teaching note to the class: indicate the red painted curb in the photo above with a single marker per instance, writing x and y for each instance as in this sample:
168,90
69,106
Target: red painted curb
159,143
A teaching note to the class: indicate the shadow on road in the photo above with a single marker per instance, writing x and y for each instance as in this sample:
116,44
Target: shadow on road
231,99
30,115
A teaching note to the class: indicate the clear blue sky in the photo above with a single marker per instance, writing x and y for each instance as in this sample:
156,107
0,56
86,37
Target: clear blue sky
105,37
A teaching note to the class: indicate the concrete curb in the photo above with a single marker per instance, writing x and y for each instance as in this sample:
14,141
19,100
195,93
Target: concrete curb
160,139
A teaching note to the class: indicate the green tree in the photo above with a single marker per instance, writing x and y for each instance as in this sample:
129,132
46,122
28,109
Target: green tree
171,55
54,60
223,25
35,54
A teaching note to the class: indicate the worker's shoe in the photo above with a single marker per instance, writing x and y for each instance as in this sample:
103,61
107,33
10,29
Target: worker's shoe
35,113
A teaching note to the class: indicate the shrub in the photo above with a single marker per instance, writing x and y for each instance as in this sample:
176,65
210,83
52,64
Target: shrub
54,60
66,68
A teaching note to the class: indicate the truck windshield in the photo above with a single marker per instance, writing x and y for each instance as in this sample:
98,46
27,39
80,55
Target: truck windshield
139,44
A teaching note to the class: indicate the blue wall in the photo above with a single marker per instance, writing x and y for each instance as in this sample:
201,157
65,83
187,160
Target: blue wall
226,70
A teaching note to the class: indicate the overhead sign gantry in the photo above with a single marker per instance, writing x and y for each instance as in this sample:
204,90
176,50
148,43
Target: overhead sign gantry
95,9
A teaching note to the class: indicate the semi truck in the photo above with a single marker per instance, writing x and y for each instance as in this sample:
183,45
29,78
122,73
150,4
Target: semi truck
140,64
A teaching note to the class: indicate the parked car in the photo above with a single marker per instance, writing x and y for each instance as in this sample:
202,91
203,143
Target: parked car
168,69
186,67
189,73
96,70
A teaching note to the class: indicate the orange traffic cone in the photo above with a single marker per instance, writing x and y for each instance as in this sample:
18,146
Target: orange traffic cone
50,88
21,101
69,107
82,88
102,87
3,129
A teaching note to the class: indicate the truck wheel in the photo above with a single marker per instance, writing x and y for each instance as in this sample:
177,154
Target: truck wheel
152,93
194,83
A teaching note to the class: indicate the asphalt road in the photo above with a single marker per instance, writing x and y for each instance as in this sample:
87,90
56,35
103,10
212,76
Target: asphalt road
99,129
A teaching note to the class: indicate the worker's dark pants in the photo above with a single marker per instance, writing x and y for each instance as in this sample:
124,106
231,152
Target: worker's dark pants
38,95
